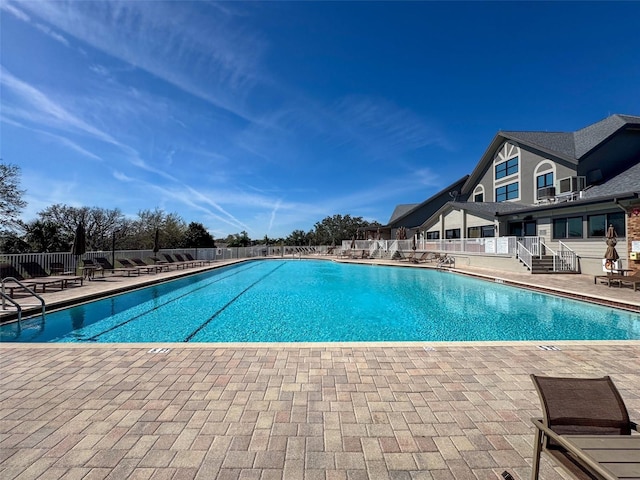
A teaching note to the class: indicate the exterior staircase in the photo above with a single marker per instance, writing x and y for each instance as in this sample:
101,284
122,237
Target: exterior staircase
544,265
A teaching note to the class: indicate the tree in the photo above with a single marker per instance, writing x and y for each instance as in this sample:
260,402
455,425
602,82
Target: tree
10,242
197,236
99,223
11,201
46,236
297,238
238,240
140,232
339,228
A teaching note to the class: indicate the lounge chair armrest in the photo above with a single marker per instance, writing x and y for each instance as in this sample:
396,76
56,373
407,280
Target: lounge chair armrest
595,466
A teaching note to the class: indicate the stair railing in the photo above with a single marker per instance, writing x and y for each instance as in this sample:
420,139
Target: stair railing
525,255
568,258
553,252
532,244
392,249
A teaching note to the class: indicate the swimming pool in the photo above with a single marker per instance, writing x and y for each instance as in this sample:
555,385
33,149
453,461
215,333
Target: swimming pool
323,301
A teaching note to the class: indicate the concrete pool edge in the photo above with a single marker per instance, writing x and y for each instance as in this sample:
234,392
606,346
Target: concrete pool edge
427,345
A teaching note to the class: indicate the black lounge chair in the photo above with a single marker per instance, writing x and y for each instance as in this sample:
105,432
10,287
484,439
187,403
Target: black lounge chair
577,406
158,262
106,265
189,263
202,262
176,263
157,268
36,272
9,271
141,269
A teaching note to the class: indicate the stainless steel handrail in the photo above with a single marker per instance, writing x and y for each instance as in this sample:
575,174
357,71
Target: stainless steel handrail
6,297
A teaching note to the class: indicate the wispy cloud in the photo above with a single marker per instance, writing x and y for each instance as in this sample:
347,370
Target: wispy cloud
209,56
45,111
384,126
15,11
56,36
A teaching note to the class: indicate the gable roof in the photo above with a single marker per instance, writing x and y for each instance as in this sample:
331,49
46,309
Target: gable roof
570,146
403,210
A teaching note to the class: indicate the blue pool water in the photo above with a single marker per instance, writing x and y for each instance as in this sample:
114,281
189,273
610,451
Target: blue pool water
323,301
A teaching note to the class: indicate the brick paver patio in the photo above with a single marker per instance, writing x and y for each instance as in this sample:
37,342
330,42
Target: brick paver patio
338,411
289,411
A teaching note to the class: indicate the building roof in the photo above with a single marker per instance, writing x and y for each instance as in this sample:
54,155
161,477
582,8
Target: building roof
401,210
405,209
626,182
570,146
489,208
559,143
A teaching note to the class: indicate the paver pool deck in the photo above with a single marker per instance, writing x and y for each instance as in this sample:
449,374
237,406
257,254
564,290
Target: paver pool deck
290,411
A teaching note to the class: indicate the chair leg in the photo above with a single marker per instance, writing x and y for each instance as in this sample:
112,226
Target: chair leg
537,450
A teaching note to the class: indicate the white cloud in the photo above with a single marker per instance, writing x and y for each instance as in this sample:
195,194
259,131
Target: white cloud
45,111
56,36
383,126
16,12
209,56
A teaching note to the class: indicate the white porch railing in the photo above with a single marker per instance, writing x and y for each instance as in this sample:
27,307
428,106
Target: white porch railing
493,245
532,244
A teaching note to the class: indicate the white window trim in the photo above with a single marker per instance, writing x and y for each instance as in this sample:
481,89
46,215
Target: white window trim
508,151
477,190
544,167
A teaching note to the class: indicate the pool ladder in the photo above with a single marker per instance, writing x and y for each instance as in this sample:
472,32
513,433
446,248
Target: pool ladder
6,298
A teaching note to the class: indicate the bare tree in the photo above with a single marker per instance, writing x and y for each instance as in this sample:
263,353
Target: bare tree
99,223
11,201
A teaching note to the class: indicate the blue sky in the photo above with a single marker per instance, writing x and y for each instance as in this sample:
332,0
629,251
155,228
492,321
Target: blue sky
270,116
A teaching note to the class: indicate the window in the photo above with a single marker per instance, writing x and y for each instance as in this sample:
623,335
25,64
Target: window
507,192
545,180
473,232
452,233
507,168
567,227
488,231
597,225
481,232
478,197
433,235
530,228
